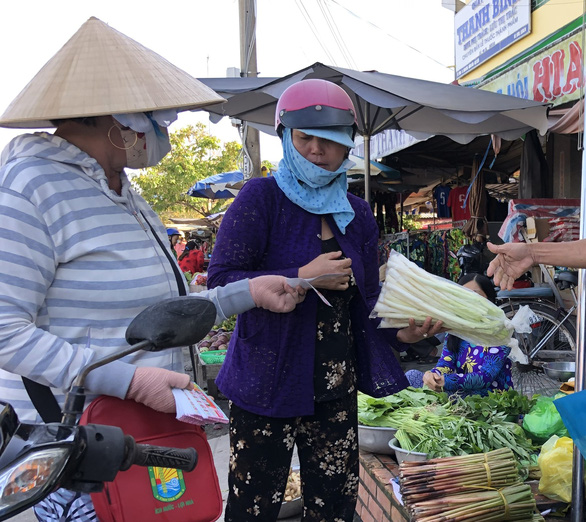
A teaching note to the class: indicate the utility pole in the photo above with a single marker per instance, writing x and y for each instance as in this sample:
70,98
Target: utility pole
248,67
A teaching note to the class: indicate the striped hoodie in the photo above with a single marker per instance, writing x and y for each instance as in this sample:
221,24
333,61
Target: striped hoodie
77,263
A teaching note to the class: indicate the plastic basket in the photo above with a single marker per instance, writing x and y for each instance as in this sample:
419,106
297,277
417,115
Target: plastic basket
213,356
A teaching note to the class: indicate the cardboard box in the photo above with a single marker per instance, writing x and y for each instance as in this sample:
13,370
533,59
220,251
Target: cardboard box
537,228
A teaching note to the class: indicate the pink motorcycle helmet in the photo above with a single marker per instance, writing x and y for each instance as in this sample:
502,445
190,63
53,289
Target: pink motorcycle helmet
319,108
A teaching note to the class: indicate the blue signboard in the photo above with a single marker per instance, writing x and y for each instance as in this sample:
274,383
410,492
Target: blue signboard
485,27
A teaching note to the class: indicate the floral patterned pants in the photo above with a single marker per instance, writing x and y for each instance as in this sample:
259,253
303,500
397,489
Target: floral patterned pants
260,456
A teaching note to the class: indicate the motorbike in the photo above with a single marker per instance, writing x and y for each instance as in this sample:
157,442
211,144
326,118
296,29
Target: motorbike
37,459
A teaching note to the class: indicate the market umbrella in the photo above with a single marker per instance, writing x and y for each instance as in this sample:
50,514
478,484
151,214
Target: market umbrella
376,168
384,101
218,186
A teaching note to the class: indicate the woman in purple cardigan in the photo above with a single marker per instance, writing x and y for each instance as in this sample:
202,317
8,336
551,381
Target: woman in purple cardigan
292,379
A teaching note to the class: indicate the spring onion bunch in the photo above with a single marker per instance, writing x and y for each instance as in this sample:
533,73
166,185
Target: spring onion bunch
435,478
514,502
411,292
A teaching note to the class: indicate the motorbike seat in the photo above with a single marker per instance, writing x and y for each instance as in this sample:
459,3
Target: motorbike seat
534,291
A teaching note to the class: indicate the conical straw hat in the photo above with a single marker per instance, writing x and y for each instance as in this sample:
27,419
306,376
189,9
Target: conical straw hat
101,71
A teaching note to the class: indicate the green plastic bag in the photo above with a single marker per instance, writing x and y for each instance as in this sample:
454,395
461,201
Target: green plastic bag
544,420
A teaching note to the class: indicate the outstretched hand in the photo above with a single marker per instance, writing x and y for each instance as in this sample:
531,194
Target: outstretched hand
414,333
273,293
512,261
329,263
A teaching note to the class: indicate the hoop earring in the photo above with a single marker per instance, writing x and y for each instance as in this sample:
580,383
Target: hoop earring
122,148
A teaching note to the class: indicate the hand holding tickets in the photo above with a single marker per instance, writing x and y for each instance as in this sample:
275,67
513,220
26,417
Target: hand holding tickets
195,407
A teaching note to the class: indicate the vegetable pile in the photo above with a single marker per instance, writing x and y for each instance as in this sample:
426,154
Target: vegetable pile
411,292
433,478
440,432
376,412
442,426
216,339
480,487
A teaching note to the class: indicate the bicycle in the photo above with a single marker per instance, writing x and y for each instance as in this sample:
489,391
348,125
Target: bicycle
553,335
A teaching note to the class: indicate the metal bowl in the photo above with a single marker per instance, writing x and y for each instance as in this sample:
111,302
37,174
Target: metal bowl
401,454
376,439
561,371
293,507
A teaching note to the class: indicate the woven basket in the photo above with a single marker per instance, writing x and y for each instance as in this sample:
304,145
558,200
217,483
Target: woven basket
213,356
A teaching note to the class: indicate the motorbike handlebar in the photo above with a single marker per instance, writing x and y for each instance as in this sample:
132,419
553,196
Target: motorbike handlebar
161,456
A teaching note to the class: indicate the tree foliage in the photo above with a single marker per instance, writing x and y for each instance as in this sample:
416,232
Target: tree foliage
195,155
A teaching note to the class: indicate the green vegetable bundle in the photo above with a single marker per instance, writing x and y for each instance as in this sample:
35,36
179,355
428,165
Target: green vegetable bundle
497,405
378,411
505,404
441,432
411,292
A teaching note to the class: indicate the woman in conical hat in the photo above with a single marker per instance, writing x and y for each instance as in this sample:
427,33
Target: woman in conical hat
96,254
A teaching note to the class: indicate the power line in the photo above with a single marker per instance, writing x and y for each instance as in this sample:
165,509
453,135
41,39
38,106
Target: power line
305,15
389,35
338,38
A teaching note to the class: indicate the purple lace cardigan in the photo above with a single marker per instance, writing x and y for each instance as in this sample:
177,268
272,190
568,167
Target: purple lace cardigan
268,369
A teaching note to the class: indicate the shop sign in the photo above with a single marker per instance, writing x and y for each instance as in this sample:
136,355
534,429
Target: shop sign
485,27
553,76
385,143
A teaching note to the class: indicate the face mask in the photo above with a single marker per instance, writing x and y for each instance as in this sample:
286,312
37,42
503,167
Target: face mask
135,147
147,148
157,145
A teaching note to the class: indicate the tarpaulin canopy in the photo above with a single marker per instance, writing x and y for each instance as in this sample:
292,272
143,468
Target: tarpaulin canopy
218,186
419,107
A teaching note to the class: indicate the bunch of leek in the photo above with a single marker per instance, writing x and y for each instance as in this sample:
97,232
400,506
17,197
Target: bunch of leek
514,502
411,292
435,478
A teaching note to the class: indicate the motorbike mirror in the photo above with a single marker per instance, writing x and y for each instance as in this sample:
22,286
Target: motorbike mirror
179,321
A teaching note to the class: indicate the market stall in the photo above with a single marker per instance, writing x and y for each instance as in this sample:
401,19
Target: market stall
459,452
469,420
208,355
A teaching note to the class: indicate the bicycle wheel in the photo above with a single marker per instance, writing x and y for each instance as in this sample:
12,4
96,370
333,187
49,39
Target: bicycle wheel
559,344
530,379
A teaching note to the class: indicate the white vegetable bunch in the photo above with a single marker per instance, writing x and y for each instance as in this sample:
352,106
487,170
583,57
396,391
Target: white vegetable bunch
410,292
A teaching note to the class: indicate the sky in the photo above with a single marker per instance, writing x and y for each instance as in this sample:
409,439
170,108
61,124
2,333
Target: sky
404,37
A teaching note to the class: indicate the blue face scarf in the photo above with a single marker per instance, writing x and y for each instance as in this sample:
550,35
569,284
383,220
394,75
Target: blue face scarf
314,189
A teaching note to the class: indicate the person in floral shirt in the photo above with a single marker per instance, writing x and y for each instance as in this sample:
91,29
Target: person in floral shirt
464,367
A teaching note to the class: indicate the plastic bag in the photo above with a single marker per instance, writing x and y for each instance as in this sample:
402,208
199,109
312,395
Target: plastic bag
571,408
555,463
544,420
523,319
521,322
516,355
